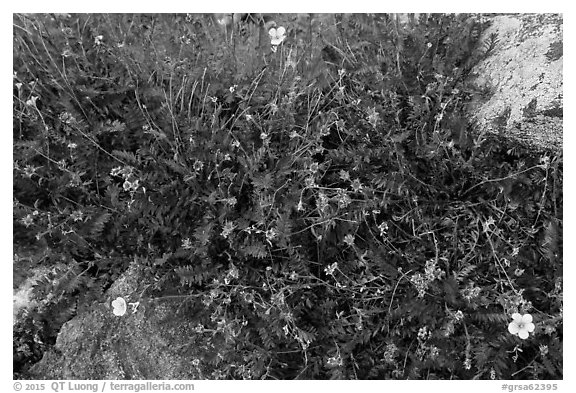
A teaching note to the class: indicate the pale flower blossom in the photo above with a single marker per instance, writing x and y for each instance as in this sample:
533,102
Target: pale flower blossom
330,269
186,244
356,185
344,175
349,240
119,306
277,35
521,325
32,101
77,215
28,220
198,165
227,230
300,206
334,361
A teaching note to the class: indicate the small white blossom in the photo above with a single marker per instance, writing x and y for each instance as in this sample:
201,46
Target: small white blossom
271,234
227,230
309,182
300,206
521,325
32,101
330,269
349,240
356,185
77,215
186,244
198,165
30,171
334,361
119,306
277,35
27,221
383,227
344,175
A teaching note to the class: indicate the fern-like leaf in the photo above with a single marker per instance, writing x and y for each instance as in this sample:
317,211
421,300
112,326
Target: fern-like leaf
97,225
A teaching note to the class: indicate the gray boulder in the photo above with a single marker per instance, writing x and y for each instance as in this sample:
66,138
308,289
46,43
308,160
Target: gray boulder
522,79
156,341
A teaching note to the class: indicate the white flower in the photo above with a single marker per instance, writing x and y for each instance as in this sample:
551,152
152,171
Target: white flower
330,269
28,220
309,182
349,239
334,361
383,227
76,215
521,325
198,165
271,234
227,230
32,101
344,175
98,39
356,185
277,35
119,306
186,244
300,206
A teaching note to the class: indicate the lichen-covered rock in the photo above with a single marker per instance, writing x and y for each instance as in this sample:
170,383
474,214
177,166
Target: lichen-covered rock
156,341
523,80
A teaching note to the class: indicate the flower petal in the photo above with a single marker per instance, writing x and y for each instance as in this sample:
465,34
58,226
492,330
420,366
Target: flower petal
526,318
513,328
523,334
281,31
517,317
529,327
272,32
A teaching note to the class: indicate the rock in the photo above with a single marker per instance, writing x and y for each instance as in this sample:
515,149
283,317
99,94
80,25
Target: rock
523,80
157,341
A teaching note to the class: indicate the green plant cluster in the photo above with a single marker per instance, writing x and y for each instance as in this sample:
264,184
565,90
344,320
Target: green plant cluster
325,203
